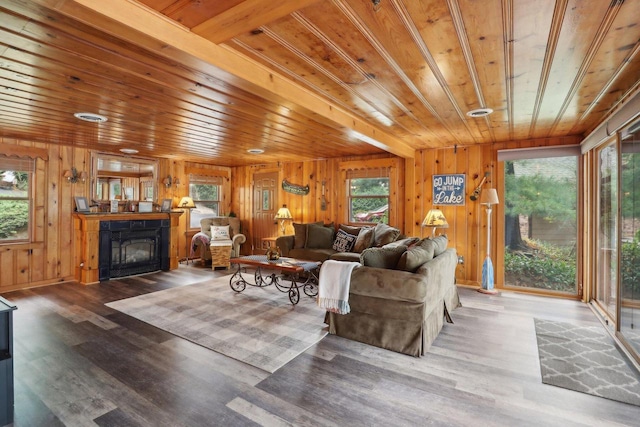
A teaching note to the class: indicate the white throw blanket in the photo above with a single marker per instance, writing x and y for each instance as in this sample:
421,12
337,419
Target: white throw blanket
333,285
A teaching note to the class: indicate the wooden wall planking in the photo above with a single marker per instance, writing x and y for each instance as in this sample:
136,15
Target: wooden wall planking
47,259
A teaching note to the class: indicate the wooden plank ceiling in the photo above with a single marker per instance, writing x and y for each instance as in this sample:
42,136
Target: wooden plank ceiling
207,80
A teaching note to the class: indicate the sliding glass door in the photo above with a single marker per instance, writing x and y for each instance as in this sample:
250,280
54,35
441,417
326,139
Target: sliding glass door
607,230
630,238
541,225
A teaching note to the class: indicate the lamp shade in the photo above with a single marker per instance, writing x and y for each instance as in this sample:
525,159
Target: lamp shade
489,196
187,203
435,218
283,213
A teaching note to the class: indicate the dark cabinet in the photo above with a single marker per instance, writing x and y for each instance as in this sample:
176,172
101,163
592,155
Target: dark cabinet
6,361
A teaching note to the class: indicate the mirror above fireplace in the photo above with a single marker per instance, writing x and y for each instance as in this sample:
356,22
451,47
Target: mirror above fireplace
123,178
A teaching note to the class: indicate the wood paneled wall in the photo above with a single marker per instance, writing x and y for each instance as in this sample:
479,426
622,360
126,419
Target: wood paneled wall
467,224
305,208
48,258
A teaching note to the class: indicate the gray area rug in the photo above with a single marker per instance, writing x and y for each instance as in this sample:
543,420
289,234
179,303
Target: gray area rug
585,359
258,326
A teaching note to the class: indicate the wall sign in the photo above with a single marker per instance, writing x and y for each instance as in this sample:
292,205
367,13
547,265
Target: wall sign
294,188
448,189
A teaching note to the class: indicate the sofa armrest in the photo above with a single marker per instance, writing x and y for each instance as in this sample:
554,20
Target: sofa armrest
285,243
236,241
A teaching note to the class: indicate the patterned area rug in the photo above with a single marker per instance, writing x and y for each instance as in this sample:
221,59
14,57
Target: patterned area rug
258,326
585,359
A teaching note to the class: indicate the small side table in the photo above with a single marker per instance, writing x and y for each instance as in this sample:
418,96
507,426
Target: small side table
220,253
270,241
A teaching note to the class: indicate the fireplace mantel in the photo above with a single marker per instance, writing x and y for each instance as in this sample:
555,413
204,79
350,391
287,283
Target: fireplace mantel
87,240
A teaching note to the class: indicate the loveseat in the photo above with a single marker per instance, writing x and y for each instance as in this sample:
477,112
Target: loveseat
401,309
201,240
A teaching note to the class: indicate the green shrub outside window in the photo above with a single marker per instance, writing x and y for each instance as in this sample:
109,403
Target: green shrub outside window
14,206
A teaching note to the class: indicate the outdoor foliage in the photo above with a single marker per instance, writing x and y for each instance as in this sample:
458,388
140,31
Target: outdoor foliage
552,197
629,268
14,218
630,185
544,267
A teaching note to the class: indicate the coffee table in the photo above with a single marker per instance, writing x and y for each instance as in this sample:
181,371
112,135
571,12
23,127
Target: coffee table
283,270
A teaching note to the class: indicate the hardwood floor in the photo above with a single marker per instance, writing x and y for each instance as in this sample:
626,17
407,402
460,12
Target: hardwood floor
80,363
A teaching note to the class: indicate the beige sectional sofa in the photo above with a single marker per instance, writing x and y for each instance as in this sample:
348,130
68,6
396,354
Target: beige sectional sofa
399,297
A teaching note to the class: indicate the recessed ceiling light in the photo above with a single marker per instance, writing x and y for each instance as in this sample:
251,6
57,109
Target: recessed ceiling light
255,151
128,150
480,112
91,117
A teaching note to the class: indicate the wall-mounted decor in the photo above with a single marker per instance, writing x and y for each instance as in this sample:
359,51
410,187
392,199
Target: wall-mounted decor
295,189
449,189
476,193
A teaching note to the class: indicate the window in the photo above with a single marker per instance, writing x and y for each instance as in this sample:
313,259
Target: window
15,207
206,194
368,193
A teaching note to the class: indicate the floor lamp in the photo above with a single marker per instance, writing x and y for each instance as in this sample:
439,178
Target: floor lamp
488,198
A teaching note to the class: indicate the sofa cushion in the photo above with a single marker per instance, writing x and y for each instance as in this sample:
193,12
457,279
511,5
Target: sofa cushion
441,243
300,234
414,257
364,240
384,234
311,254
219,232
344,241
382,257
319,237
408,241
345,256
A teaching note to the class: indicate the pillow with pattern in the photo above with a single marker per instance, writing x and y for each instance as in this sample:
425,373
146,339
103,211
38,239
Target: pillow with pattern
220,232
344,241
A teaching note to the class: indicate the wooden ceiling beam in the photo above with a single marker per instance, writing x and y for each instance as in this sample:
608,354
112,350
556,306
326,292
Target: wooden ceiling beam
127,17
247,16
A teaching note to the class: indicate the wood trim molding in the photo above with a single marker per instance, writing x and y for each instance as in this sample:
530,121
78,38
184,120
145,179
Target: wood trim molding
20,151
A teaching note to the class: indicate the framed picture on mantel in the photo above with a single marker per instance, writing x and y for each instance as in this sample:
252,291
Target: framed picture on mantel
166,205
82,204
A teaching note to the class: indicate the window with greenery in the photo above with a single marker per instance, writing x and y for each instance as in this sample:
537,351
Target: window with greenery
206,194
368,197
15,209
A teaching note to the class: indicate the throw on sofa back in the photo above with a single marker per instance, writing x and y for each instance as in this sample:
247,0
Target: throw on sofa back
232,222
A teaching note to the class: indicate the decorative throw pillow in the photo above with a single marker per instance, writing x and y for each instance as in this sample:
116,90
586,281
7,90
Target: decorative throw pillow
409,241
319,236
382,257
349,229
219,232
344,241
414,257
384,234
441,243
300,234
364,240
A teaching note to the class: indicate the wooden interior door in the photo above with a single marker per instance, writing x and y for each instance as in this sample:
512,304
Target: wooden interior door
265,207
